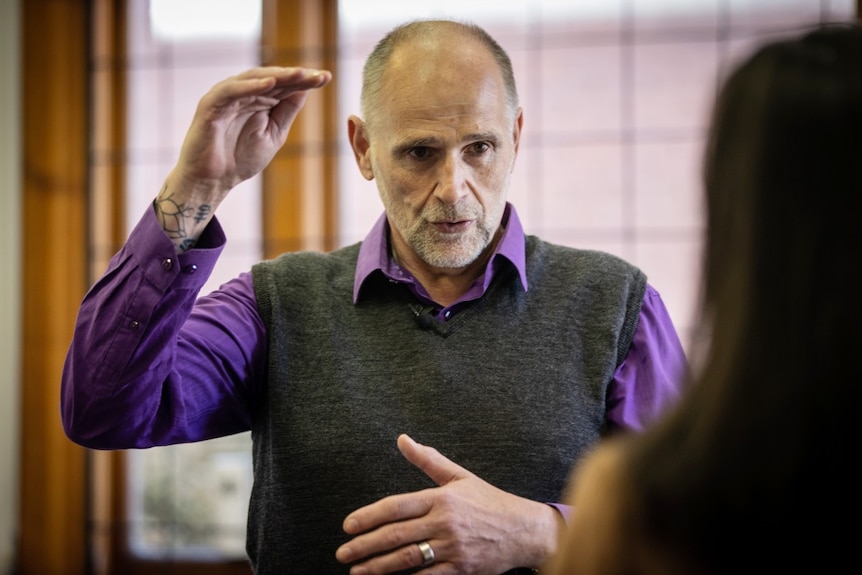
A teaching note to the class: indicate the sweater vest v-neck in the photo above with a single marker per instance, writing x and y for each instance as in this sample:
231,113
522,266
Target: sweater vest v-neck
512,388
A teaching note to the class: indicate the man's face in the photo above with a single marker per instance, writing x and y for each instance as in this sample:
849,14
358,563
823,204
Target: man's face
442,146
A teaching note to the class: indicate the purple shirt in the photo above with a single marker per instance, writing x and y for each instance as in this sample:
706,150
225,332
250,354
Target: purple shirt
150,364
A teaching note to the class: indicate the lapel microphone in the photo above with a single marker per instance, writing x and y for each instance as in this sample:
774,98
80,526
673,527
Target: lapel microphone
423,315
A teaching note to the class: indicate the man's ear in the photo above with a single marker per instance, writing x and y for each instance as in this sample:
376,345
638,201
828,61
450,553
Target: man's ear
516,129
358,135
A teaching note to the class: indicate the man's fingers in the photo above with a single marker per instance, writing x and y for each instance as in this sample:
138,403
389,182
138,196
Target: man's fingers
389,538
435,465
270,82
387,510
313,77
293,79
285,112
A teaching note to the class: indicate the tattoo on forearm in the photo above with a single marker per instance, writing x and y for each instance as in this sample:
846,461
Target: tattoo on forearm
172,215
173,218
203,213
186,245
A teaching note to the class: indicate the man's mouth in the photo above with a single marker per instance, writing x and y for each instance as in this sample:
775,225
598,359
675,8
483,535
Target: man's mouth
452,227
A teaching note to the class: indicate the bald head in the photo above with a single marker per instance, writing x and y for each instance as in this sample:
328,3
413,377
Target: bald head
437,49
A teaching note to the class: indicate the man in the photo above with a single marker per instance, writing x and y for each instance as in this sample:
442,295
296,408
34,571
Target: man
510,355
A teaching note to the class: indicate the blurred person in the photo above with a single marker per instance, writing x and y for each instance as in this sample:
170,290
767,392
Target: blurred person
751,471
447,323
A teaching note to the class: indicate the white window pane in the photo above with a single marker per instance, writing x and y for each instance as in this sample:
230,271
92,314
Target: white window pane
188,501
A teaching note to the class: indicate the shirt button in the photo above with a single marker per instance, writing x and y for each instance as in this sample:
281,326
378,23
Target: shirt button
448,313
191,269
167,263
134,324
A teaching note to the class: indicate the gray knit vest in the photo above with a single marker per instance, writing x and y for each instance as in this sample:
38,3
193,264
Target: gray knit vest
512,388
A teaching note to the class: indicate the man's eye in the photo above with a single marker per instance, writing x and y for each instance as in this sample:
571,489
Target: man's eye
478,148
419,152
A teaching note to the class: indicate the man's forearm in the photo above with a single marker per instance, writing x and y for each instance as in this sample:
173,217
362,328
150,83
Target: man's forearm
184,210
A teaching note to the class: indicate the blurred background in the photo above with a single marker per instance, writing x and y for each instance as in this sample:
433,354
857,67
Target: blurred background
95,98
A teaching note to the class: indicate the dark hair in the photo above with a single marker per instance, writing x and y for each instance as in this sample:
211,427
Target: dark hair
377,61
751,471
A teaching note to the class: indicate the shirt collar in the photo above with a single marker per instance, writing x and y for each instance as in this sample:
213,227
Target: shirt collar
374,251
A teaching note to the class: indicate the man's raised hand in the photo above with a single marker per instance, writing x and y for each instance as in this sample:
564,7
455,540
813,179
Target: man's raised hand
239,125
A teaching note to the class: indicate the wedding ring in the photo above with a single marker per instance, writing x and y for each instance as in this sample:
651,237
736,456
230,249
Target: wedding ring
427,553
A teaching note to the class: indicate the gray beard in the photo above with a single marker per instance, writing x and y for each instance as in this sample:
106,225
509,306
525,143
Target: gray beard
451,254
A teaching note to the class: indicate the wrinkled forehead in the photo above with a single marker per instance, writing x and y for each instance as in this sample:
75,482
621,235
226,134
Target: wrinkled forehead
441,116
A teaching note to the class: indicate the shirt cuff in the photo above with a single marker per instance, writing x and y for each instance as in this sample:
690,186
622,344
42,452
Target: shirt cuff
163,267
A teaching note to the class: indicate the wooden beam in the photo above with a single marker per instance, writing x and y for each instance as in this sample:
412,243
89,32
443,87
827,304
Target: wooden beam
107,168
300,184
54,206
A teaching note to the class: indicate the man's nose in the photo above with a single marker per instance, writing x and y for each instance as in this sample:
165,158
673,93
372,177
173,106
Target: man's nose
452,180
